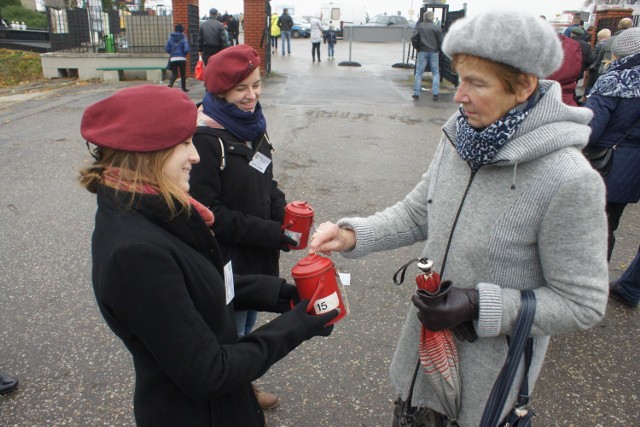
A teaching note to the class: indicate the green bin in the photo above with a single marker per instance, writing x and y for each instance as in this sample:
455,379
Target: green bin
108,43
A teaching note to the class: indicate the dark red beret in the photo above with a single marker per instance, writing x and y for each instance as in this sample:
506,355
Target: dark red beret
142,118
229,67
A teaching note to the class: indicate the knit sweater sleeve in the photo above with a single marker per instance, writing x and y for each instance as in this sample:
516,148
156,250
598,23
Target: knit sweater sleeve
572,243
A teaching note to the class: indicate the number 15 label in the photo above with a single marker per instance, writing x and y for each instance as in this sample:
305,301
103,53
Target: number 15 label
325,304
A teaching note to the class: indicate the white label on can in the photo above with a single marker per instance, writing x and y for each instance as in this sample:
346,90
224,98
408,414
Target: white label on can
327,303
295,236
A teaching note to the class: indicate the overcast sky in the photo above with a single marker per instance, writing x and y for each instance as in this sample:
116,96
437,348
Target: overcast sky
549,8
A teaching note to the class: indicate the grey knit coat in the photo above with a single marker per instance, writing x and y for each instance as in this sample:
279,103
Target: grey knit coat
533,219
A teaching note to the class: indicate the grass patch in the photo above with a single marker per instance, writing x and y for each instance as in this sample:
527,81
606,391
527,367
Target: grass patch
19,67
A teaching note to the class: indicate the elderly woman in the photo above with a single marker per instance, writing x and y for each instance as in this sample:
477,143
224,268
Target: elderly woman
159,277
616,122
507,204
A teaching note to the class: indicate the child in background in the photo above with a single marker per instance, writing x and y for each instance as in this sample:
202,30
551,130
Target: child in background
330,40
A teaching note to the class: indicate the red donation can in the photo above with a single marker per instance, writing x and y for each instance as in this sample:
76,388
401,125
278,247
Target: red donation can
315,279
298,217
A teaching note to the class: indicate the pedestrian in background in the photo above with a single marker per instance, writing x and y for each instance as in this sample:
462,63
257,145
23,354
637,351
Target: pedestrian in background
429,52
178,48
507,204
330,40
275,33
212,36
602,37
233,30
159,277
235,176
316,36
285,22
615,101
569,72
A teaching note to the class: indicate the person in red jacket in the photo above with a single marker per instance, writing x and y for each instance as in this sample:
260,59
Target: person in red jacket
567,74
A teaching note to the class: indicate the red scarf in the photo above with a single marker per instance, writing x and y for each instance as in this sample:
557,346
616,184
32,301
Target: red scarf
117,178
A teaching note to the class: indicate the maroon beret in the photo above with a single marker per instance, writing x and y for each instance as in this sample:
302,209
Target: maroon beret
142,118
229,67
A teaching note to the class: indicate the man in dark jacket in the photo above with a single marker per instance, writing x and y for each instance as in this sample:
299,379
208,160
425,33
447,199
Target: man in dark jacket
232,28
577,34
285,22
429,52
212,36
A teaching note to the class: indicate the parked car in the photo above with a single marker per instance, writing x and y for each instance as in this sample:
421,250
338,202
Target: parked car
300,28
388,21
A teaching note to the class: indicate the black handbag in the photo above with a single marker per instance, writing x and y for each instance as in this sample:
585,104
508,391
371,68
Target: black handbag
601,158
520,342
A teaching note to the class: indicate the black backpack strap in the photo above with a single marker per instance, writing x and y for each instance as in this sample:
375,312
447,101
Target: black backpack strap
218,148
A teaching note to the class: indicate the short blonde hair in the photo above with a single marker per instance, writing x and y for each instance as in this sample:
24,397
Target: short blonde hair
140,169
604,34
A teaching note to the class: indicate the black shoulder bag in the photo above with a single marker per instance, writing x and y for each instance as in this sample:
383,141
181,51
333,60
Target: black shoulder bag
601,158
520,415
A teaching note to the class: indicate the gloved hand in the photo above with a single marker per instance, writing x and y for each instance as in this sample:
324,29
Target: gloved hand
288,294
465,332
285,242
315,325
447,310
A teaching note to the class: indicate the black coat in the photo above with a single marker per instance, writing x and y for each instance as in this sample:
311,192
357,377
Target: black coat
160,287
247,204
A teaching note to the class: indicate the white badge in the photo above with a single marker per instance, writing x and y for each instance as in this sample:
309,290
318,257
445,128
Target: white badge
260,162
345,278
228,282
327,303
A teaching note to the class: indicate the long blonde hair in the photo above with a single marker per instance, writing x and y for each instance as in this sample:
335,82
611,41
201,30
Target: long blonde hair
139,170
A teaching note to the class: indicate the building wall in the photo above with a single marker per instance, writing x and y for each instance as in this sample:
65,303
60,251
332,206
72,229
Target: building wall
254,24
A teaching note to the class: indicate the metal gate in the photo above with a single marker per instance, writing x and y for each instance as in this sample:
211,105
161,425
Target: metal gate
193,25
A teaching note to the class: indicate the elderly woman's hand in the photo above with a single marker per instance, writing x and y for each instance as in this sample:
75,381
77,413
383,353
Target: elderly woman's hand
329,237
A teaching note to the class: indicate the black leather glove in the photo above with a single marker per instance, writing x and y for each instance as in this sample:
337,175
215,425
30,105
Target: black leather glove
465,332
288,294
286,243
315,325
448,309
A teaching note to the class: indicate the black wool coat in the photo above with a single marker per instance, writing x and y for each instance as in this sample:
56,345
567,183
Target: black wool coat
247,203
159,285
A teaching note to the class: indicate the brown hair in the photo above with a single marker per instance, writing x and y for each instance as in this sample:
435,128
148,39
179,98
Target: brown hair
510,77
140,169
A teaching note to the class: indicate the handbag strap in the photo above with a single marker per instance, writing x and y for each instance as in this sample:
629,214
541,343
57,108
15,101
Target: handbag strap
519,339
626,133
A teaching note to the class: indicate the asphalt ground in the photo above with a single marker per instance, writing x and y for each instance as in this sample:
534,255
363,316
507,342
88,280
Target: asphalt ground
350,141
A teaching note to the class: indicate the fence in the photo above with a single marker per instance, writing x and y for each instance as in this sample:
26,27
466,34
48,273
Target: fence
95,30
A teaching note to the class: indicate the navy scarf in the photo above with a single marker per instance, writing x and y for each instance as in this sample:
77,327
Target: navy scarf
244,125
479,147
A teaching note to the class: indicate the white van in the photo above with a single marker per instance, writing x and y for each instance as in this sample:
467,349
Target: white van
341,14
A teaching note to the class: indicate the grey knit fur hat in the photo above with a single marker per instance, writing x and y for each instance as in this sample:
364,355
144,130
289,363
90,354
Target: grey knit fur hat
627,43
525,42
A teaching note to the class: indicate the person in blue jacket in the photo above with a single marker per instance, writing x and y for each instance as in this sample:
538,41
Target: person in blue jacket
615,101
178,48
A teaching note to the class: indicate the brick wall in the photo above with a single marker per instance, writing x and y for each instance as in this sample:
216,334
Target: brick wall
254,23
180,17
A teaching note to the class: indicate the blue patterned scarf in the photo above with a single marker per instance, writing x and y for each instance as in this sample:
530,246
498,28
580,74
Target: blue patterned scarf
621,79
244,125
479,147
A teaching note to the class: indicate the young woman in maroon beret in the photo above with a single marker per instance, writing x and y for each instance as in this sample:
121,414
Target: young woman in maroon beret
235,176
159,276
